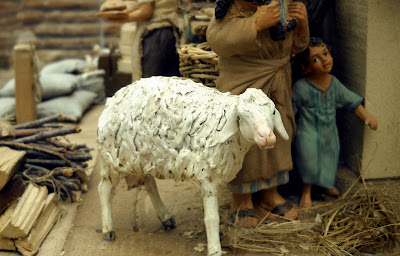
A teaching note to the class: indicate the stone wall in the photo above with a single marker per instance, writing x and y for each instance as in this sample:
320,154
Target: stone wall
350,68
58,28
368,63
382,91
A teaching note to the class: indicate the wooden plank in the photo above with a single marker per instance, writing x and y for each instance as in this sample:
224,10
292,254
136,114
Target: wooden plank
26,212
13,190
10,162
5,218
51,212
25,105
7,244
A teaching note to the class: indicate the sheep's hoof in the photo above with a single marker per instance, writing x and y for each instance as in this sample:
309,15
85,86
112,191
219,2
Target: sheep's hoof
109,236
169,223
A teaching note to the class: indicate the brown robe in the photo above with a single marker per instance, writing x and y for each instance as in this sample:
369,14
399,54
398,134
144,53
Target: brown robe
251,59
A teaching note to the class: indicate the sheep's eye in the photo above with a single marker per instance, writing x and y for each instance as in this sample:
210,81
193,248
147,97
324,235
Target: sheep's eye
274,112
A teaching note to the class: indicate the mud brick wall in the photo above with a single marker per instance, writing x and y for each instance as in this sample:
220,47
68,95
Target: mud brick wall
58,28
8,24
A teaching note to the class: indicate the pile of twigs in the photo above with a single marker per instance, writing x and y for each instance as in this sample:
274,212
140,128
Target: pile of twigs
49,161
346,226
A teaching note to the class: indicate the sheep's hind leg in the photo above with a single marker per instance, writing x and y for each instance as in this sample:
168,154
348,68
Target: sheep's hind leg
106,188
211,217
165,217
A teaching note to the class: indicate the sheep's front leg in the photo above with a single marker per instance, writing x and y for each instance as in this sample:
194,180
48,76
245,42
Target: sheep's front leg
106,188
211,216
165,217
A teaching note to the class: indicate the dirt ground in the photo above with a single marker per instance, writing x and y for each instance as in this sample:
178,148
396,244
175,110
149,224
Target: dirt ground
78,232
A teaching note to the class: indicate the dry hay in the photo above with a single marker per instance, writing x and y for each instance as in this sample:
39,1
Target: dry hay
346,226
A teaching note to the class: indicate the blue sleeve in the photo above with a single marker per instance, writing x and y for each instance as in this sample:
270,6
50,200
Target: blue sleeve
345,98
296,98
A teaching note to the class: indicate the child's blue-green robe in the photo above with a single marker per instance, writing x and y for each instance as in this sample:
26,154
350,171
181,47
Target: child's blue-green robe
317,140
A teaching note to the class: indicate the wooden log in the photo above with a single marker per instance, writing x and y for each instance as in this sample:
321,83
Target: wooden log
46,162
49,134
24,132
57,42
81,175
54,4
13,190
51,212
43,145
72,16
25,104
21,132
30,16
5,218
49,119
10,162
28,147
26,212
53,29
81,157
58,143
7,244
30,153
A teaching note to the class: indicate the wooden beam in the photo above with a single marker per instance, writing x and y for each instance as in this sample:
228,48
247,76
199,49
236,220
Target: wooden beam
25,105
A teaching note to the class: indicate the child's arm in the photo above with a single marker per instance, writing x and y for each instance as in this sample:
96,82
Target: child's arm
368,119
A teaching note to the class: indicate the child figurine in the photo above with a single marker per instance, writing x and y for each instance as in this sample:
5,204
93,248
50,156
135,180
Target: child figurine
315,100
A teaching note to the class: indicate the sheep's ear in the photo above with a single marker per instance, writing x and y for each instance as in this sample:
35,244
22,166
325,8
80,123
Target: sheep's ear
278,124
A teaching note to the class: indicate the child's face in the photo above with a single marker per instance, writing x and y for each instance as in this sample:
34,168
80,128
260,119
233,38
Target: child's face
320,61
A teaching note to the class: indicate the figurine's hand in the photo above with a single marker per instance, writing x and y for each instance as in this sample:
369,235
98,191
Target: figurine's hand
298,11
371,122
267,16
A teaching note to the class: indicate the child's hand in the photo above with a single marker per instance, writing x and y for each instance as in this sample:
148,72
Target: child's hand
371,122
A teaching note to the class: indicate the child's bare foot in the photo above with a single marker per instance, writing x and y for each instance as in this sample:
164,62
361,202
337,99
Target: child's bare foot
332,192
305,201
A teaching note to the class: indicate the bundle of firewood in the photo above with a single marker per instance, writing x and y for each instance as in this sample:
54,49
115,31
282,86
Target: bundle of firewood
41,155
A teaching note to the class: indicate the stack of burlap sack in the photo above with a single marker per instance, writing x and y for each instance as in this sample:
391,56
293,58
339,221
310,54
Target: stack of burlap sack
69,86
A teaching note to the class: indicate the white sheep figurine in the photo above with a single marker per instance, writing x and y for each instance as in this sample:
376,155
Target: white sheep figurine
168,127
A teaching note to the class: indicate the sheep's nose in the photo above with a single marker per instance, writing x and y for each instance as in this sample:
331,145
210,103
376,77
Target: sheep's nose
264,137
271,139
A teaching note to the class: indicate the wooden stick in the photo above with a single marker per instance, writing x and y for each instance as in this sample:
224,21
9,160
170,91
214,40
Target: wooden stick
38,154
58,143
24,70
49,134
29,147
78,157
46,162
39,122
24,132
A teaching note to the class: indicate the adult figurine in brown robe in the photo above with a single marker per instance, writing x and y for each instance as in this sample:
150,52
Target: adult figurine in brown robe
248,57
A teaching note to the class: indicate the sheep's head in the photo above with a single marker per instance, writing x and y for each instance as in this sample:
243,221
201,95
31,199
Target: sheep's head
258,117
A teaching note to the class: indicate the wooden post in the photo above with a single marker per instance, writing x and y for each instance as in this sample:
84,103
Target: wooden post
25,105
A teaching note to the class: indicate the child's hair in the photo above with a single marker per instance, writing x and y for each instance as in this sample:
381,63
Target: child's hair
302,58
